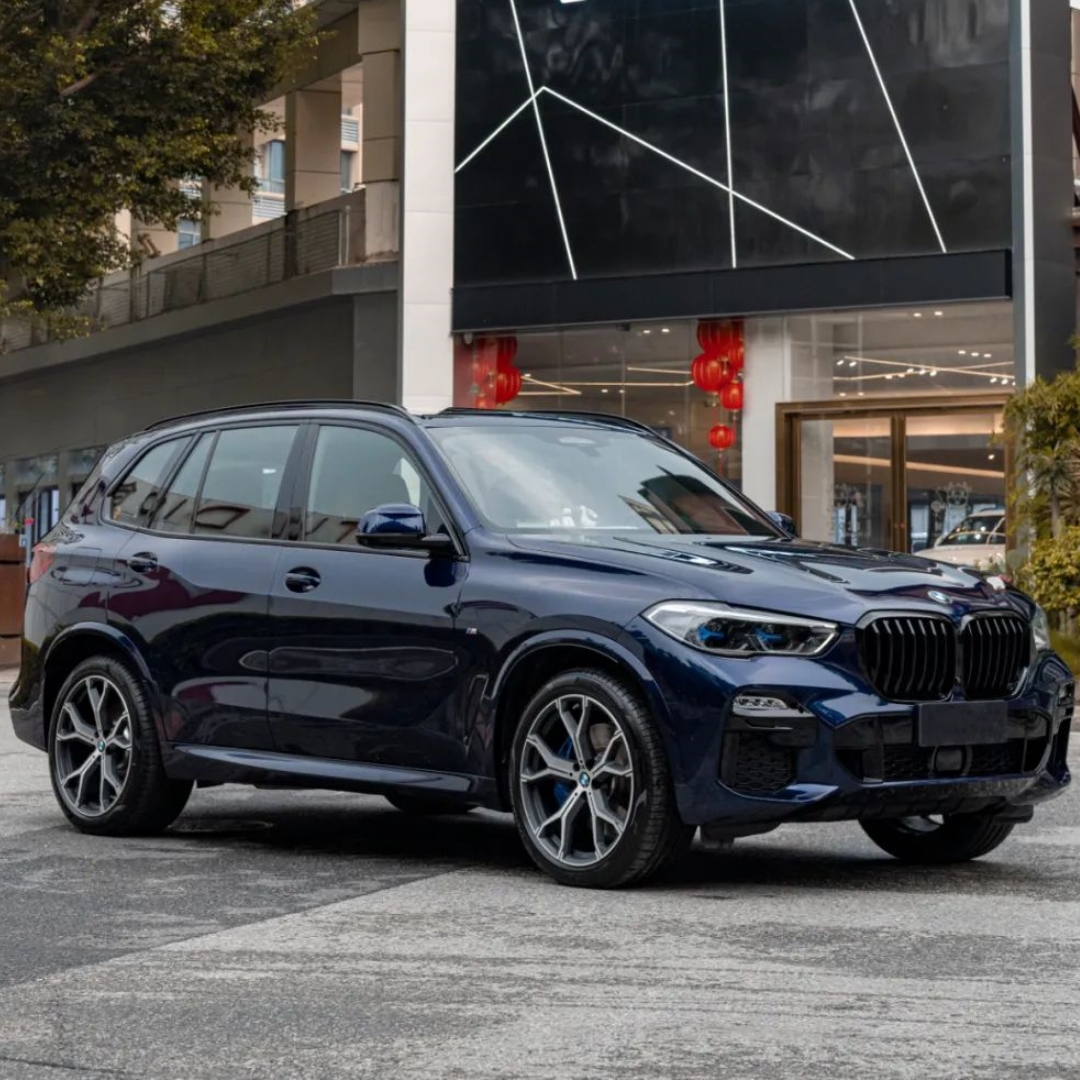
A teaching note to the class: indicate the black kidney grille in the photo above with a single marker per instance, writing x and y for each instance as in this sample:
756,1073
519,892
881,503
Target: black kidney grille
910,659
994,652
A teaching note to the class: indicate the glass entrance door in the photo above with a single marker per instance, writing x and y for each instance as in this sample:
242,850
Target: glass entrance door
846,472
894,475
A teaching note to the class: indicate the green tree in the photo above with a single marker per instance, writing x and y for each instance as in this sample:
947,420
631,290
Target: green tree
104,106
1044,419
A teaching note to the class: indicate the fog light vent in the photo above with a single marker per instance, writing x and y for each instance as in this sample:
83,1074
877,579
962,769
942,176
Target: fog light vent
762,706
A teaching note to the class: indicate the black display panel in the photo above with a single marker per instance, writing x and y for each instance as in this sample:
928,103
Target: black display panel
858,129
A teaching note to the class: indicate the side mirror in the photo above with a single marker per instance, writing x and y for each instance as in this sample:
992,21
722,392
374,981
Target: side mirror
785,522
399,525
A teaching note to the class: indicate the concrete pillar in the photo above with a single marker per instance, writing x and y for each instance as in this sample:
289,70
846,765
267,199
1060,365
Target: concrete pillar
312,146
1044,257
233,203
786,361
380,155
427,240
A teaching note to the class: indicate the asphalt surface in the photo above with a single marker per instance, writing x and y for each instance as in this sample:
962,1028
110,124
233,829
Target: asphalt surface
328,936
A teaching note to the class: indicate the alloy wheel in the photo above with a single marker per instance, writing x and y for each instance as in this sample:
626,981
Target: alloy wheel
93,746
576,780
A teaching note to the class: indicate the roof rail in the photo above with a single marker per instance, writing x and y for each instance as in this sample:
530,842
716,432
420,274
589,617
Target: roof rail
554,414
262,406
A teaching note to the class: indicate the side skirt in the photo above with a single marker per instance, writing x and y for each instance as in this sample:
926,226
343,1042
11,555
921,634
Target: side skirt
225,765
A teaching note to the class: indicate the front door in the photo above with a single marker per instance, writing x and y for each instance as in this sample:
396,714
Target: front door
367,663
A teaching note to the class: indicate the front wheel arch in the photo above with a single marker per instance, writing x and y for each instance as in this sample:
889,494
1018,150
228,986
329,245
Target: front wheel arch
535,663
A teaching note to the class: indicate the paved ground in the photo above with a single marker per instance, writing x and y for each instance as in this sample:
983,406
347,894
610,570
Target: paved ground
328,936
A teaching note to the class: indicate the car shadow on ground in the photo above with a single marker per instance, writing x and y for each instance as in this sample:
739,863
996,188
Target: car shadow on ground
490,841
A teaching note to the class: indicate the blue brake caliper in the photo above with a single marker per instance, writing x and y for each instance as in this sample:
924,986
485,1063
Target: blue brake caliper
562,788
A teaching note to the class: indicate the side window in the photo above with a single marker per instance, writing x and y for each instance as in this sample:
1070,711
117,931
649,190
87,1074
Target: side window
134,497
354,471
177,512
242,483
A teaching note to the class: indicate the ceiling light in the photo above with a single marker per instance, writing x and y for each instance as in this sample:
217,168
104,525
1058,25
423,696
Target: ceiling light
527,375
862,393
605,389
918,314
853,363
922,371
839,363
622,391
963,352
994,379
664,330
939,313
990,457
888,376
988,356
646,331
933,371
910,371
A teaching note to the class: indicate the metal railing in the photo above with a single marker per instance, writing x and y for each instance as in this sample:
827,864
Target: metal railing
306,241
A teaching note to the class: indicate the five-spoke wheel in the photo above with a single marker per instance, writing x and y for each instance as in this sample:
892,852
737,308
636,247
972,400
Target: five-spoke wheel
591,785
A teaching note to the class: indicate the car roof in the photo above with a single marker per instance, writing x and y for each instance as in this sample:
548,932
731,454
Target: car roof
346,408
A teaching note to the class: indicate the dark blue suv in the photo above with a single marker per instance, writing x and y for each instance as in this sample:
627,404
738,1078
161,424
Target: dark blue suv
565,616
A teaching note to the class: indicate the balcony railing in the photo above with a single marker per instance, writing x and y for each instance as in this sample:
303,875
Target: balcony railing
306,241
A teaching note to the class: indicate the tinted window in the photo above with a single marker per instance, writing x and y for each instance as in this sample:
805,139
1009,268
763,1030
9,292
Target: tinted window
242,483
570,477
354,471
976,530
178,504
133,499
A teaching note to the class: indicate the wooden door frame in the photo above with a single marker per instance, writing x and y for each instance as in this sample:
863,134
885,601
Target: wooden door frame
790,414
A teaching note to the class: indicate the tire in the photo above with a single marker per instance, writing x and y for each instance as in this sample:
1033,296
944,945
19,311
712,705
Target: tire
615,818
428,804
952,839
123,789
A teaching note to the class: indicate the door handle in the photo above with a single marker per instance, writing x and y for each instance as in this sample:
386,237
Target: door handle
143,563
302,579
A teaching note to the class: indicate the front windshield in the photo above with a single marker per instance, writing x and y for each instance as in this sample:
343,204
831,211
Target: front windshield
550,477
976,529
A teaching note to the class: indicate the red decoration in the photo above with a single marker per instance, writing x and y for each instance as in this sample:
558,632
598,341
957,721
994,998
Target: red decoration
710,373
721,437
737,351
732,396
507,383
505,350
713,337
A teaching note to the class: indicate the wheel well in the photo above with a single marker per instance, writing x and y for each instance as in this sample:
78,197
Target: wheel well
528,675
65,656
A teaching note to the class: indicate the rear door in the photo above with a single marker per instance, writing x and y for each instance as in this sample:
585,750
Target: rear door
193,582
368,663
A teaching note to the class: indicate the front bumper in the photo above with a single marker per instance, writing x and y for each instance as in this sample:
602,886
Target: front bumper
853,754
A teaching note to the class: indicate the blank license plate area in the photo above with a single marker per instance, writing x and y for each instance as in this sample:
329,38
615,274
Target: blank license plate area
962,723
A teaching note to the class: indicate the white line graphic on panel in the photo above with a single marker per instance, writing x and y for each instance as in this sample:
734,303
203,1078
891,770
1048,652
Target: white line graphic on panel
498,131
697,172
533,95
727,136
896,122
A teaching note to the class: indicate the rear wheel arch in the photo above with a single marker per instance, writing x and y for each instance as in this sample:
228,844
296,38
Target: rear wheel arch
70,650
534,665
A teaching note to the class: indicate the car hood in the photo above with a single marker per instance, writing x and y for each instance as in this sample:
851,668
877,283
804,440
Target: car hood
795,576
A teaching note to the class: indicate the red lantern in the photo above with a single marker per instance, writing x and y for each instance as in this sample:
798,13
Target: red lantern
485,362
507,383
721,437
732,396
710,373
505,350
737,349
713,337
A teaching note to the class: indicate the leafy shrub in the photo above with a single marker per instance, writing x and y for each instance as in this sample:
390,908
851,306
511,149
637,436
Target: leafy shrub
1052,574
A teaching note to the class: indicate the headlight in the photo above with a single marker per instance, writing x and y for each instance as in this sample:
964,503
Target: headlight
716,628
1040,630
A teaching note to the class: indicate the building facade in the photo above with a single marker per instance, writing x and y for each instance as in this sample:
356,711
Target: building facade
818,242
863,209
